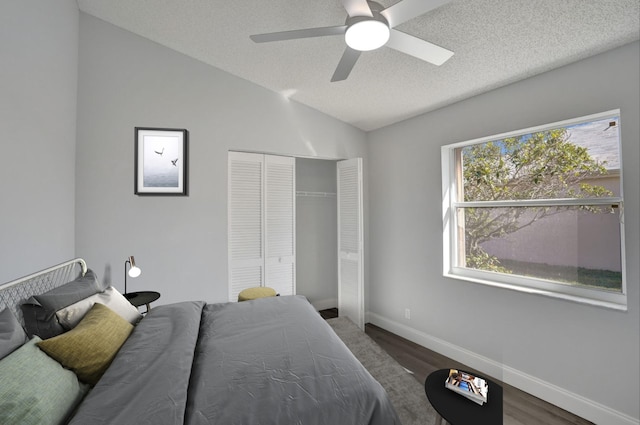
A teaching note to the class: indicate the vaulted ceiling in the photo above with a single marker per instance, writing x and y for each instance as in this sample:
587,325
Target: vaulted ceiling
495,43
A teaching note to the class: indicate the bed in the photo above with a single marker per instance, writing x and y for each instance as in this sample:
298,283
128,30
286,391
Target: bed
267,361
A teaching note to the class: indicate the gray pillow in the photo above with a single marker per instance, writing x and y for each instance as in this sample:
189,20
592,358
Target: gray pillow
37,321
39,311
70,293
12,335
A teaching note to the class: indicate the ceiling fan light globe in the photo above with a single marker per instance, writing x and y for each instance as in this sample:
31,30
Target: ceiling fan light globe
367,35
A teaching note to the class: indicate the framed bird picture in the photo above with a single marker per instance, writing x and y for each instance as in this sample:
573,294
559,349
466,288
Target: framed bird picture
161,161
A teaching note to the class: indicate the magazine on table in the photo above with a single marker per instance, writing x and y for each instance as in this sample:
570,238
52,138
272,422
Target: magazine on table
468,385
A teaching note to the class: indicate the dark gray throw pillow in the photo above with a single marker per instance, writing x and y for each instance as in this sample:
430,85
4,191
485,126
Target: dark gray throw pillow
37,321
40,310
72,292
12,335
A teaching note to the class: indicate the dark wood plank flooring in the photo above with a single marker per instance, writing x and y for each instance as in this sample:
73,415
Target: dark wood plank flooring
519,407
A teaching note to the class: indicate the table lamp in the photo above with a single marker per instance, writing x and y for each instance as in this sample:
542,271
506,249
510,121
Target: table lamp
134,272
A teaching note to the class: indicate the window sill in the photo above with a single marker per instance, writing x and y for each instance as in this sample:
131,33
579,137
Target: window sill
615,302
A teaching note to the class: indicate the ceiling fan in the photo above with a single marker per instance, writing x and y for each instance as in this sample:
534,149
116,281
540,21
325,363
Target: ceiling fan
370,26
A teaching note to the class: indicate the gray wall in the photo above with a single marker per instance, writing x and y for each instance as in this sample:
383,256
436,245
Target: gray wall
38,81
180,243
579,348
317,233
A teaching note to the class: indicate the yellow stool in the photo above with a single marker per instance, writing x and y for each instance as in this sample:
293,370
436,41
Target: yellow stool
255,293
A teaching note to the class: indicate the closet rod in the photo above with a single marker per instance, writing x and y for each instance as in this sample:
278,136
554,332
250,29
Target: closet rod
316,194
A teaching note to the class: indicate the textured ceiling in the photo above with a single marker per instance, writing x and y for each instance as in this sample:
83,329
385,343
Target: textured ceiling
496,42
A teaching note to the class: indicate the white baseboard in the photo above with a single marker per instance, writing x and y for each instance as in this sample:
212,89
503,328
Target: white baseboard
567,400
325,304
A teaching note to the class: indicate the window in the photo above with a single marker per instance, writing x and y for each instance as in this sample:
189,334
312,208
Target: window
539,210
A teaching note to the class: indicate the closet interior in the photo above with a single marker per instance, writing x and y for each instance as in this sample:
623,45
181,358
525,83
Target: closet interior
316,232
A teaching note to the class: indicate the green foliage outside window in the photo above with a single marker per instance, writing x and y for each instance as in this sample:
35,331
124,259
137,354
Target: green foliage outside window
543,165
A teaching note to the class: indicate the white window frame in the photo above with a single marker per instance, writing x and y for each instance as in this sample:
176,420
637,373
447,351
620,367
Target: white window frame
602,298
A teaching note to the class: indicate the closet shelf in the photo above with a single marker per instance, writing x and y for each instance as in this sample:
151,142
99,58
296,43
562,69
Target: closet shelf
316,194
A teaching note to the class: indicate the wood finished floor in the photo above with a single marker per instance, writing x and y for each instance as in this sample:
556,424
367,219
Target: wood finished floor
519,408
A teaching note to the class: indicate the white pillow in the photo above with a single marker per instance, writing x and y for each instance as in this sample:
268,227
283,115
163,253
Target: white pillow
70,316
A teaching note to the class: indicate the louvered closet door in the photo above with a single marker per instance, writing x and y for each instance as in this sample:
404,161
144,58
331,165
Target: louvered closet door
246,222
280,223
350,241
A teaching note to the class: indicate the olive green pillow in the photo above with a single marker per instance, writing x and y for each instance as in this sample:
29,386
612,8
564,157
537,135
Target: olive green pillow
89,348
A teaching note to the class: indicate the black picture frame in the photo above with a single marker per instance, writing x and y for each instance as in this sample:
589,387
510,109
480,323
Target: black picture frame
161,161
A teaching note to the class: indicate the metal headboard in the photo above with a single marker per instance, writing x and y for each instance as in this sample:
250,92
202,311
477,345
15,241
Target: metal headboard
14,293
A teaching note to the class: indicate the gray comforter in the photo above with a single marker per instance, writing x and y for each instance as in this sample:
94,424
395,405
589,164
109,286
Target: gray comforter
268,361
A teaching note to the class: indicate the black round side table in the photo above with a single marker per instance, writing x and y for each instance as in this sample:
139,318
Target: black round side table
456,409
142,298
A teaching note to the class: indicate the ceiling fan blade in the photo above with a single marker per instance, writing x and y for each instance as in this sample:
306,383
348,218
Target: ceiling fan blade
305,33
348,60
419,48
357,8
408,9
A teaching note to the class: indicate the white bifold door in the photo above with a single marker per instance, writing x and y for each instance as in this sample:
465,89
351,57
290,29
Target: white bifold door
261,218
262,226
350,241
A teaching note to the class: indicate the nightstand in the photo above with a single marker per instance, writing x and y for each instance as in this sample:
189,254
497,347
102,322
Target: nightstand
457,409
138,299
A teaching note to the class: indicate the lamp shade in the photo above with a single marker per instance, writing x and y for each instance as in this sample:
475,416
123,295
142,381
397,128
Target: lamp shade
134,271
